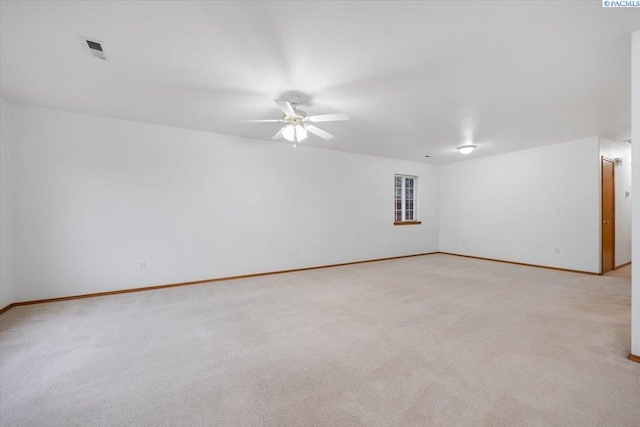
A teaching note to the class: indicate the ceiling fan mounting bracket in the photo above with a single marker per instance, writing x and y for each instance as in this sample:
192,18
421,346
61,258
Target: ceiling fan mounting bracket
294,100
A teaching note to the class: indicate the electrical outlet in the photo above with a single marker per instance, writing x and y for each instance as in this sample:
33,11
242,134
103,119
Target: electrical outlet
142,265
557,251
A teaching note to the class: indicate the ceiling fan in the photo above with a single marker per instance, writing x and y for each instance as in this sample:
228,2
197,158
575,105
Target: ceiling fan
296,122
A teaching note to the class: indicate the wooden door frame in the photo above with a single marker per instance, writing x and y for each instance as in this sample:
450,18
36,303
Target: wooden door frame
613,228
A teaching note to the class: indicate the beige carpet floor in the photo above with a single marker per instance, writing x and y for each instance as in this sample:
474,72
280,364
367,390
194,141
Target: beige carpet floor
426,341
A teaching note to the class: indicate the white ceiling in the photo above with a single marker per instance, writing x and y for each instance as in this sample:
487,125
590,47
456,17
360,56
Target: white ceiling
417,77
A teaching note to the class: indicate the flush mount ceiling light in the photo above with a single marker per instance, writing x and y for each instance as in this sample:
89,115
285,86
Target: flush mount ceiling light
466,149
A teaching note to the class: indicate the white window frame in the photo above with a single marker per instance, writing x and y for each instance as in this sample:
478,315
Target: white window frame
403,200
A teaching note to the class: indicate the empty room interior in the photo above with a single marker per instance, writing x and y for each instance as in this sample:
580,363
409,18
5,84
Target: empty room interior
319,213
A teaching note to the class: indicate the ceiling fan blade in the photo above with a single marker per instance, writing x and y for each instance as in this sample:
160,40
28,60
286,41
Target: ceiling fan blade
259,121
286,107
278,135
319,132
330,117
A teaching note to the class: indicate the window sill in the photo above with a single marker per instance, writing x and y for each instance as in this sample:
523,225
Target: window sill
407,223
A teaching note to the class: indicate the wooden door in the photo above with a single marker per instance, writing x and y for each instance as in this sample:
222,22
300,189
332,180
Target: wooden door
608,216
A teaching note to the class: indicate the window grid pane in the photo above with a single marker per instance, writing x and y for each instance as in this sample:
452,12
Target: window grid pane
405,198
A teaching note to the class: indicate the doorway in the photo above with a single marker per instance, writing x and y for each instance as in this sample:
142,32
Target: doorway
608,250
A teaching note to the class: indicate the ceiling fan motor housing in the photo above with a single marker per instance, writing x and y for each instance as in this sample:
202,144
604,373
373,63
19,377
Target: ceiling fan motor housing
298,119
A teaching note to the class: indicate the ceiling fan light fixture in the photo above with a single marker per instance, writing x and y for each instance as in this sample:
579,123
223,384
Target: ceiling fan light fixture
466,149
301,133
289,133
294,133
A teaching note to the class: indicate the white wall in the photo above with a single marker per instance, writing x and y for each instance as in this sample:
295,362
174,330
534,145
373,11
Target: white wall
622,173
94,196
635,138
504,207
6,286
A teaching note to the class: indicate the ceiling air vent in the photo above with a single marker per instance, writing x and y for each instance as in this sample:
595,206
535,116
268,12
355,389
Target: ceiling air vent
94,47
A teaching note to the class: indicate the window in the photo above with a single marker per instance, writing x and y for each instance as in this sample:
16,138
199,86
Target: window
406,200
